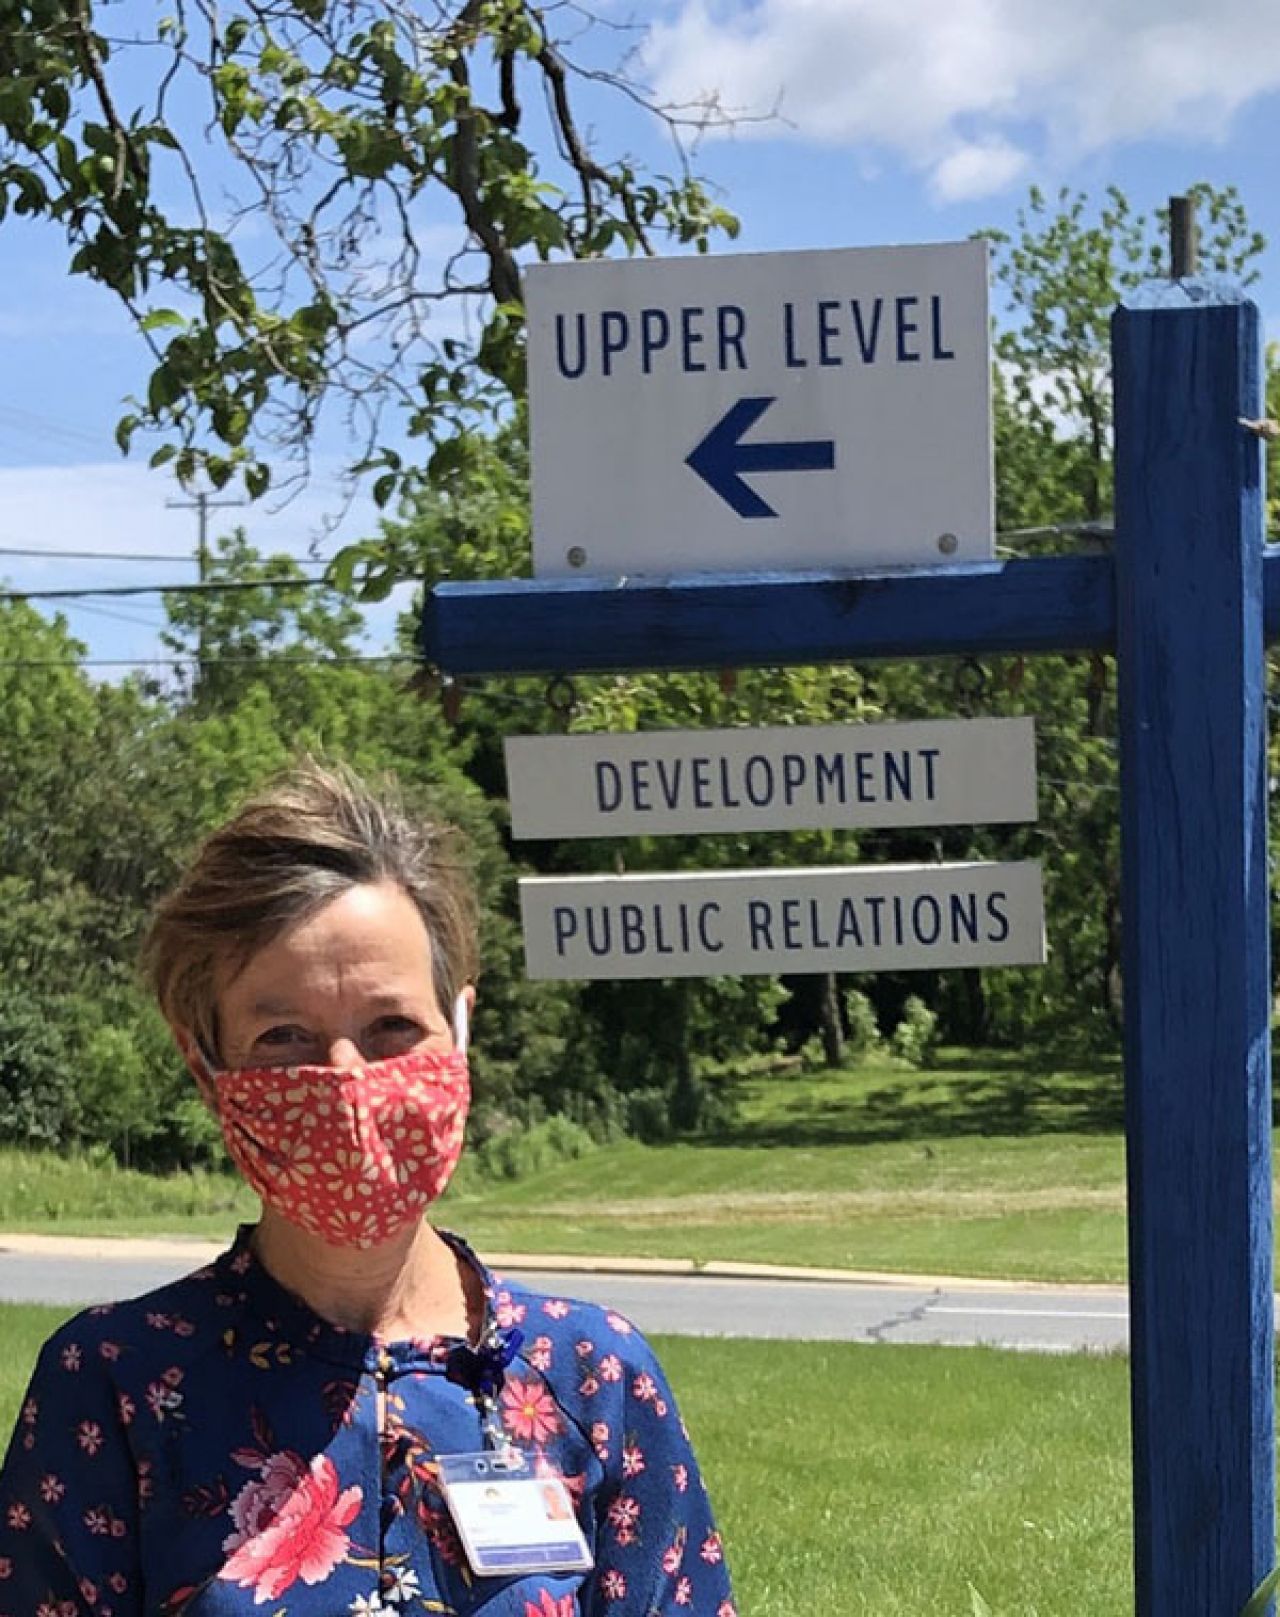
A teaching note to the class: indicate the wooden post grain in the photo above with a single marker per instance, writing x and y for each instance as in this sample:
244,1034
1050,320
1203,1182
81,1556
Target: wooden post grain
1190,649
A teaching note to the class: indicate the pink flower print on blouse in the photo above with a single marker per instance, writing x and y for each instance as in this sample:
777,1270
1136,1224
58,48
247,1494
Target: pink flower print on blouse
529,1411
549,1605
289,1525
89,1436
507,1312
163,1398
614,1585
624,1518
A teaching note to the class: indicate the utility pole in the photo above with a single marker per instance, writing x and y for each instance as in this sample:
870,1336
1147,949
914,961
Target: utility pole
201,503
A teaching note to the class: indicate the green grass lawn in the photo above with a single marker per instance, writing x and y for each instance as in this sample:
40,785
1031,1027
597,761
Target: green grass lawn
986,1167
72,1195
882,1481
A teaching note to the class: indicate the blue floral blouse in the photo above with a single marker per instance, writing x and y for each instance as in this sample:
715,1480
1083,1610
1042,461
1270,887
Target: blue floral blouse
215,1448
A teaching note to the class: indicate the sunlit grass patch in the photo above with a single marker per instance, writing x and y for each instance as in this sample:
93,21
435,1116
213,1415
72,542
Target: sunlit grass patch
981,1165
47,1191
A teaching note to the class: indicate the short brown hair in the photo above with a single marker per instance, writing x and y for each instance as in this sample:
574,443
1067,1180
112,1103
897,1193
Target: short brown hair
305,839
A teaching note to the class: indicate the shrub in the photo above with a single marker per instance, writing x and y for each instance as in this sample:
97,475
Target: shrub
519,1153
916,1036
39,1103
862,1035
649,1115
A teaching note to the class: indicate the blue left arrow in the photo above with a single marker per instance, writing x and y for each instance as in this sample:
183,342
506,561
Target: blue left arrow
721,458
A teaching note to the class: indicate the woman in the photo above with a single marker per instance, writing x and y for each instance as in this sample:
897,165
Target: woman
346,1413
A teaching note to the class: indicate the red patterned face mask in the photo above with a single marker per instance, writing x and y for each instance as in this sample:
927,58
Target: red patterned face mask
350,1154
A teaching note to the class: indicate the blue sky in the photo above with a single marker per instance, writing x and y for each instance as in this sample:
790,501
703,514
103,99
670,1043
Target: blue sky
910,121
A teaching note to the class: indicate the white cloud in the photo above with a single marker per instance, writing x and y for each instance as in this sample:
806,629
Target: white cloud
978,169
969,91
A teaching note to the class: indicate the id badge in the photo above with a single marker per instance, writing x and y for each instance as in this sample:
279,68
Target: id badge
509,1520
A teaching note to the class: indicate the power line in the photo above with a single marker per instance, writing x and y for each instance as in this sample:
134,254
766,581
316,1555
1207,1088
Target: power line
40,426
94,555
154,624
143,555
274,662
218,586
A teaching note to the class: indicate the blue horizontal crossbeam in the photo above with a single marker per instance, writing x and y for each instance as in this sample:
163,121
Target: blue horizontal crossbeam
739,620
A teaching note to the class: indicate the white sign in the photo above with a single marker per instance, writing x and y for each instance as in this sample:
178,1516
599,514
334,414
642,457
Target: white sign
764,410
791,778
767,922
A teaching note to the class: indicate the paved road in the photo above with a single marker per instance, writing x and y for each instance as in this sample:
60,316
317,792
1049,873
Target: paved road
1050,1319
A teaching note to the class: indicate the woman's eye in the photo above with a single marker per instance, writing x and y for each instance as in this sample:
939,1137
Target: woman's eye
393,1035
276,1036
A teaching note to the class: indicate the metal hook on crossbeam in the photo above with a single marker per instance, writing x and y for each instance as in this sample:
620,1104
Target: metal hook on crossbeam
971,682
451,700
562,699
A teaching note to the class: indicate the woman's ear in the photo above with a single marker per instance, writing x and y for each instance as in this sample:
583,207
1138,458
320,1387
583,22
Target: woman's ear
463,1010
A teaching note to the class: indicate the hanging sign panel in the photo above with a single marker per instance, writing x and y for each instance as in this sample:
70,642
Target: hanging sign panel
761,410
768,922
789,778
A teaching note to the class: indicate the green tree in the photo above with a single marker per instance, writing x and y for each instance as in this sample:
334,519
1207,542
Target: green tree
1062,273
47,718
262,615
1059,277
338,132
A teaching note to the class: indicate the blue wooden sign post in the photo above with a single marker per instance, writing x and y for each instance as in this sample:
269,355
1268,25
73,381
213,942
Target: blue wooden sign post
1189,639
1185,603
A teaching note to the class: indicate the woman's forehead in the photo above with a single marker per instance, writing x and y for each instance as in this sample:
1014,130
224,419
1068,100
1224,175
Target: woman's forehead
370,939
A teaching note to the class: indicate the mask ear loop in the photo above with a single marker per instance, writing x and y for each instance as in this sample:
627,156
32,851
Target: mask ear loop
461,1024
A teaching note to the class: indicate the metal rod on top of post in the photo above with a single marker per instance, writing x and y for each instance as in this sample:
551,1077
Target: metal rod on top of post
1184,238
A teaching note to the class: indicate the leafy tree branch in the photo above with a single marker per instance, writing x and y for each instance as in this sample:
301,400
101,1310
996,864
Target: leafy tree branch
387,168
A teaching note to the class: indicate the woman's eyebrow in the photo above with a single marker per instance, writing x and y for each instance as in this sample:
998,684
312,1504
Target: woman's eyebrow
272,1007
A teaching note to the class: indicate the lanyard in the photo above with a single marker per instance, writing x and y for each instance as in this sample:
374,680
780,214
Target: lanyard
482,1371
